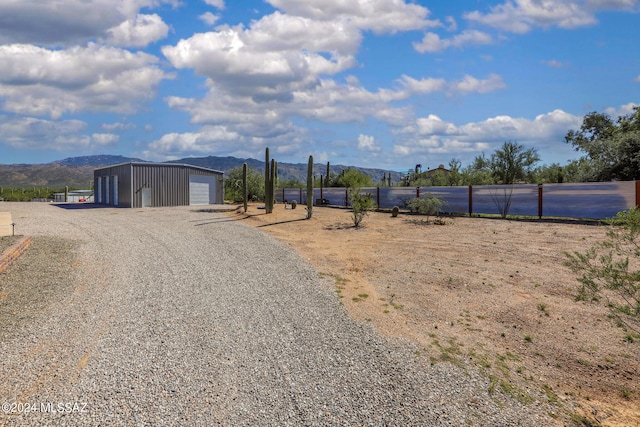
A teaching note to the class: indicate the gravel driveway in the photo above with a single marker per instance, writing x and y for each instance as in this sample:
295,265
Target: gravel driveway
180,316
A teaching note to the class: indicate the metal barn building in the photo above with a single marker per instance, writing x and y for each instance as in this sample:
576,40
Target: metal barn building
140,184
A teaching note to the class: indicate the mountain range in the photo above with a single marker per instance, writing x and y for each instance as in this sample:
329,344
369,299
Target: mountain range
77,172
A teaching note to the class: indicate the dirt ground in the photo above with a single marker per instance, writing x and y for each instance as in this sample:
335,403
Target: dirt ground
493,293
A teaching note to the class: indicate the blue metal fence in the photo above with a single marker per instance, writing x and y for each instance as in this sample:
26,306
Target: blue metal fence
597,200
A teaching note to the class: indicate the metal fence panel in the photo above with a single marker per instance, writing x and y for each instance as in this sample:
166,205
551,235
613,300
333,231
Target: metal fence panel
396,196
456,199
289,194
334,196
588,200
491,199
596,200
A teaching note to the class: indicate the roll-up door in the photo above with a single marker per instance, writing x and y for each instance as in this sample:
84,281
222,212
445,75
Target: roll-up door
202,190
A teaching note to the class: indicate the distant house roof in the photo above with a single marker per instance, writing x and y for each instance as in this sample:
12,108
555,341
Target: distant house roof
440,168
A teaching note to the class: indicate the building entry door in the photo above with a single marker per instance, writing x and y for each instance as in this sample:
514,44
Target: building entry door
146,197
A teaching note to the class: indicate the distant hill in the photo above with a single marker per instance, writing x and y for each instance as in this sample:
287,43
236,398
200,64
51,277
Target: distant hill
286,171
99,160
77,172
46,176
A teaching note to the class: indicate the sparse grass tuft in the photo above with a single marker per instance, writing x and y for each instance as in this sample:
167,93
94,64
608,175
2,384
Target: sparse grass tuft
583,421
543,308
517,393
551,396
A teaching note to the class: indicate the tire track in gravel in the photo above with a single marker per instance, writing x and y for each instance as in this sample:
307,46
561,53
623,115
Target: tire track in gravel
182,321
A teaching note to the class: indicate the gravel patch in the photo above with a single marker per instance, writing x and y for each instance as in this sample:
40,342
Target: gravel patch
181,317
32,287
7,241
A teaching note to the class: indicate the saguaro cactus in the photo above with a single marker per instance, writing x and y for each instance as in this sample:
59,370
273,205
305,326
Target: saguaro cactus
267,177
326,179
244,186
310,188
272,184
275,169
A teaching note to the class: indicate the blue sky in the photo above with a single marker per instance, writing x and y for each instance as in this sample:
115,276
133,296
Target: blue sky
373,83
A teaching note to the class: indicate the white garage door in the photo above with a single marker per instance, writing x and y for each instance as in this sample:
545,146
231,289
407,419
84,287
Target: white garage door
202,190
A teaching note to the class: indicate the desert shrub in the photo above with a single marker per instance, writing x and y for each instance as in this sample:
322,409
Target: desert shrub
503,201
605,274
428,205
233,185
361,205
394,211
294,204
26,194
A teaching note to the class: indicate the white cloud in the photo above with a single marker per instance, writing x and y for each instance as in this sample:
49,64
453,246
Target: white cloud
380,16
470,84
432,135
38,81
104,139
65,22
433,125
218,4
423,86
368,143
543,128
453,25
432,43
327,102
521,16
218,139
30,133
277,54
612,4
623,110
467,85
209,18
118,126
139,31
553,63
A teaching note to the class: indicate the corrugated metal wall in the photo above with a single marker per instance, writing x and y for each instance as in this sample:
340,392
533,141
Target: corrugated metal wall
123,172
168,184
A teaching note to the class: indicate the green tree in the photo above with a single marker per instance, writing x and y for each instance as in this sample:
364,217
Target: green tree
361,205
606,274
612,148
455,177
352,178
478,172
549,174
290,183
581,170
233,185
513,162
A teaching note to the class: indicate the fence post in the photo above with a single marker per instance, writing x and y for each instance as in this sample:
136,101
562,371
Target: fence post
283,195
346,197
378,197
301,197
539,201
418,192
470,200
638,194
